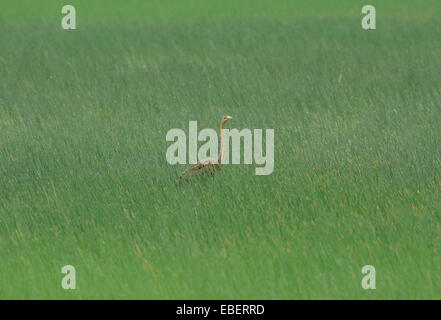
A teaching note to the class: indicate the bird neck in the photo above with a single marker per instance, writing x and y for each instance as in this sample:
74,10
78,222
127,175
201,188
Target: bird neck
222,143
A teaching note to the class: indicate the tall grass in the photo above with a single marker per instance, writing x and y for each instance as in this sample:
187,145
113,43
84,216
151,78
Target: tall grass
84,179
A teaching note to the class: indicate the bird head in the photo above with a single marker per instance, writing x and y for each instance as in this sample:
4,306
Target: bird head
226,118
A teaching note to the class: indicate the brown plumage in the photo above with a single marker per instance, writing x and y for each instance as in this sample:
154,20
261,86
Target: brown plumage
209,164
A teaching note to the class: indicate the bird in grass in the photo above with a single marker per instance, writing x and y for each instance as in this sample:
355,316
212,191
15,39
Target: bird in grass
207,165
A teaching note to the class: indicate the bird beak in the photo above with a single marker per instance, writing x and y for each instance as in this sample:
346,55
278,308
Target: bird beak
229,117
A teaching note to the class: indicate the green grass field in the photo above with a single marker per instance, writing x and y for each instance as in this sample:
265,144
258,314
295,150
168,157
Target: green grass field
84,179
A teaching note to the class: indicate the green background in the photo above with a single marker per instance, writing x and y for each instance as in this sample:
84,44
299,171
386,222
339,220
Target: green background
83,175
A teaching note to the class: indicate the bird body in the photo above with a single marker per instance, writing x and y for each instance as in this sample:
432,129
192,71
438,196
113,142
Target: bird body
207,164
